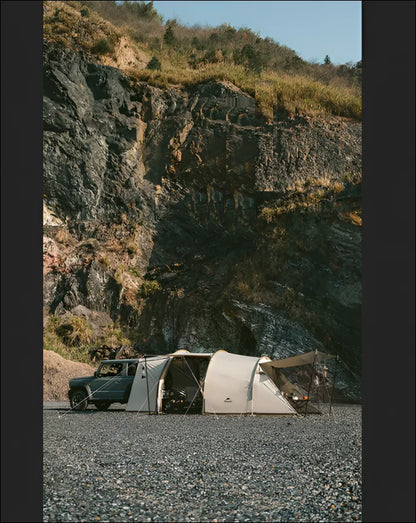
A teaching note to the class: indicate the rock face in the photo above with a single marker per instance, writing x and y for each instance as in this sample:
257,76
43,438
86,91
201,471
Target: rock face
186,216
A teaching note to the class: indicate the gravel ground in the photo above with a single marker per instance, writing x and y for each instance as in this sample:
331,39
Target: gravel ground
121,466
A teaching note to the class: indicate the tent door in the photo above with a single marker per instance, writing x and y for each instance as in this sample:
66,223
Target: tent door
181,389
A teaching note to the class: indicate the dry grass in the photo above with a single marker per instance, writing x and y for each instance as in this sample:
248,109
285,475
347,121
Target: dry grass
53,342
273,90
181,75
301,201
304,95
64,24
149,287
73,337
353,217
57,371
114,337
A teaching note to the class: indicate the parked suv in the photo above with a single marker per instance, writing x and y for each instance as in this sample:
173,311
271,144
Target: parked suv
111,383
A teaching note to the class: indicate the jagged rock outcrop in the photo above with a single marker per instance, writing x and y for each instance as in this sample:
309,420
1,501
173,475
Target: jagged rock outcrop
188,217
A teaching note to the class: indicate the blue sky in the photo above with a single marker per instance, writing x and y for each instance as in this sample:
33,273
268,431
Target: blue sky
312,29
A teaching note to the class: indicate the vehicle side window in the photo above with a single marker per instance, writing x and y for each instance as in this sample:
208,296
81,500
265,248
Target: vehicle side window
110,369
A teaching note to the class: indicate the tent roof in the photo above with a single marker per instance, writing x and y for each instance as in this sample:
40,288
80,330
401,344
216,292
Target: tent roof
302,359
184,352
178,354
122,360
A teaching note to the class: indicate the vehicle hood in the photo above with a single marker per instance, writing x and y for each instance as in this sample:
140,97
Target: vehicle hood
80,381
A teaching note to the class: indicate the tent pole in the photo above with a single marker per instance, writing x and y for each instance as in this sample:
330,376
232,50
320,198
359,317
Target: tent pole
310,382
173,325
147,384
333,385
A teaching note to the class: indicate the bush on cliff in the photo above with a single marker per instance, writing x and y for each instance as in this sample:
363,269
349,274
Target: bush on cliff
103,46
154,64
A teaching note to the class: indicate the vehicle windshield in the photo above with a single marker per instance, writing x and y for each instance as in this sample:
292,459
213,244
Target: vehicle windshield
110,369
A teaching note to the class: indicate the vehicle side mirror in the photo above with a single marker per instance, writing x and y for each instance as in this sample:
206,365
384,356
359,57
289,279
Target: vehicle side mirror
95,373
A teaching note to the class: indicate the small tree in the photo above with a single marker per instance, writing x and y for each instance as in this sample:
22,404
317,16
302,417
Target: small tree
169,36
154,64
358,69
249,57
143,10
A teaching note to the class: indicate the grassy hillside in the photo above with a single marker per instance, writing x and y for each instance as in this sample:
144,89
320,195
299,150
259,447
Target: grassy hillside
166,53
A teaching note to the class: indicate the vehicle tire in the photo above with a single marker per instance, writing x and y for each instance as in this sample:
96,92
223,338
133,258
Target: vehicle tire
79,400
102,405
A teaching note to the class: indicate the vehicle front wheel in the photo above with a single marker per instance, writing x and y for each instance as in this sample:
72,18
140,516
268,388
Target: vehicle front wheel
102,405
79,400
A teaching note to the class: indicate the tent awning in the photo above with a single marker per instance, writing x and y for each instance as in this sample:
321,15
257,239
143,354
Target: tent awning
295,361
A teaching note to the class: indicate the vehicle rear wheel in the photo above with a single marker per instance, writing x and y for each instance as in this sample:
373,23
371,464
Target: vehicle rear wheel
79,400
102,405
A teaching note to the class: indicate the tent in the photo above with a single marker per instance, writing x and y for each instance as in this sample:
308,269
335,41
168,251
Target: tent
302,384
219,383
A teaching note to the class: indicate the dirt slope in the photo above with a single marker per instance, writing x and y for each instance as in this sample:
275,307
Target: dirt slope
57,371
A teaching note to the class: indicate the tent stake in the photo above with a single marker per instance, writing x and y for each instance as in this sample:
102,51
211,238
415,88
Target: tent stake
147,384
333,385
310,382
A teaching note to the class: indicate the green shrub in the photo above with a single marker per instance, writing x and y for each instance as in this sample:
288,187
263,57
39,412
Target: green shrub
103,46
104,260
149,287
154,64
213,56
54,341
114,337
78,332
135,271
85,12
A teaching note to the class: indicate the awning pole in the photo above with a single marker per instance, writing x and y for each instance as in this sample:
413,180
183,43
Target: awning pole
333,385
310,382
147,384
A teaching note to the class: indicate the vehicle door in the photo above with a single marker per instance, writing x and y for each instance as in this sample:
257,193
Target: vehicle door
129,372
124,381
108,383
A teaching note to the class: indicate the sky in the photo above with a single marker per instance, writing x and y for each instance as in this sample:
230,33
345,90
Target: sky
312,29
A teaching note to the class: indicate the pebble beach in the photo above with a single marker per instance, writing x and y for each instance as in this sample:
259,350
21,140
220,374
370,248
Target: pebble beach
123,466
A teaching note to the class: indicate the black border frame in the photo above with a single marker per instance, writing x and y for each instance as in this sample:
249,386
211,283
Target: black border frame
21,260
388,259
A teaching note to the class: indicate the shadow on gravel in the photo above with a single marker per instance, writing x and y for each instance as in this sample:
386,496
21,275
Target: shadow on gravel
85,412
65,407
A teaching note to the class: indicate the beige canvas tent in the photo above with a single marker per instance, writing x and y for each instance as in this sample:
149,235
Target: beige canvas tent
219,383
303,382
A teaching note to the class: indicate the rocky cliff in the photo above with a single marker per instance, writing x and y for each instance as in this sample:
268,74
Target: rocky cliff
189,219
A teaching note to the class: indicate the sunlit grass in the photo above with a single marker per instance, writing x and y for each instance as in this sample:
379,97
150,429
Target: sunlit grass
273,91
